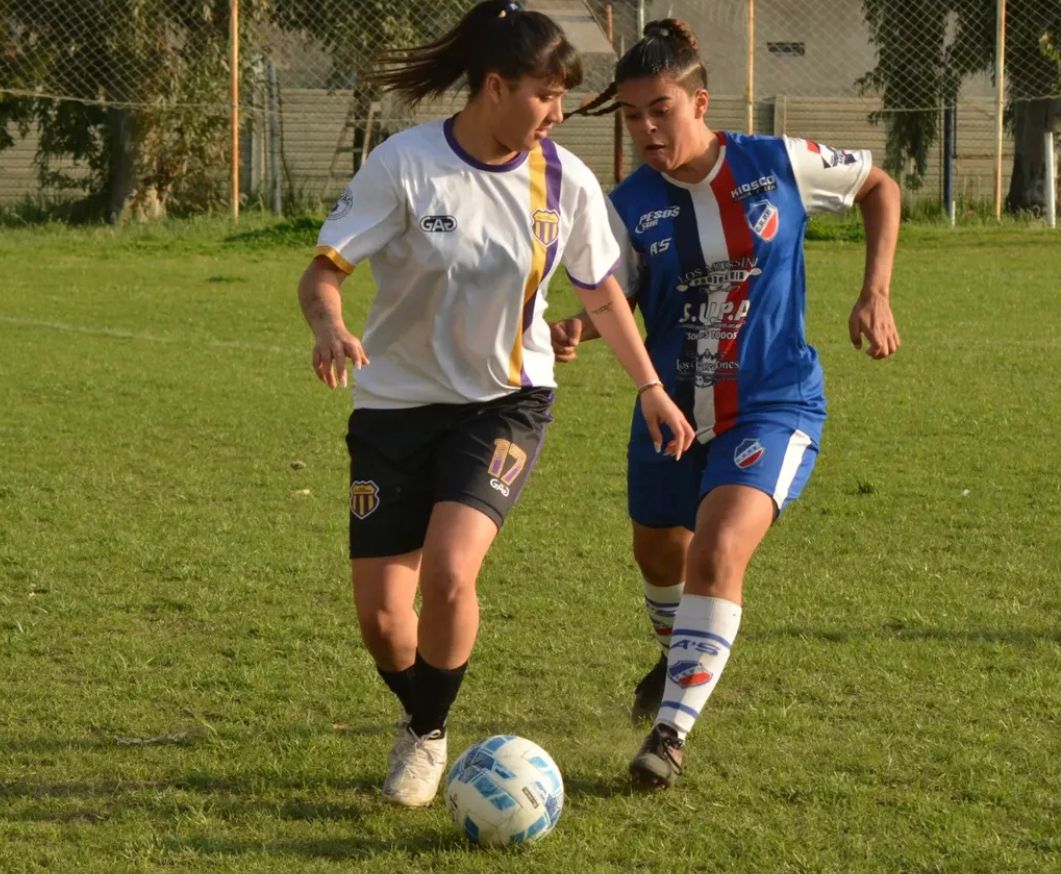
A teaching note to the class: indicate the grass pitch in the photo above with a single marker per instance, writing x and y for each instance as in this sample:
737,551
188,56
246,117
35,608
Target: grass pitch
181,682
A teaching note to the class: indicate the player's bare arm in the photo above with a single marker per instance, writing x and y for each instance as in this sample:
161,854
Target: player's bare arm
616,326
321,300
568,333
879,202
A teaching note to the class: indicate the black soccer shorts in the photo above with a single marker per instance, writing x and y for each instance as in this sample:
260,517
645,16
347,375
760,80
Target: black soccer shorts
402,462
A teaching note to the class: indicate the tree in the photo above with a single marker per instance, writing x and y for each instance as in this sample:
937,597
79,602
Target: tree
148,120
140,73
919,71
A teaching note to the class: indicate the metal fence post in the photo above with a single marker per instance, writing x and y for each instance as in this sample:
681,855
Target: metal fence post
1051,180
949,153
233,37
1000,97
749,96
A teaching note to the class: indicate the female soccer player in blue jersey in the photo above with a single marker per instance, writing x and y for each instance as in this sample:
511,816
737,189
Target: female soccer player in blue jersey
712,232
464,222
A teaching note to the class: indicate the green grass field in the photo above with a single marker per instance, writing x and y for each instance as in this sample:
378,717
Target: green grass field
181,683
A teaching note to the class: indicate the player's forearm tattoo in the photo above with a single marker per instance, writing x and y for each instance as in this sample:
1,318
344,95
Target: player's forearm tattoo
602,309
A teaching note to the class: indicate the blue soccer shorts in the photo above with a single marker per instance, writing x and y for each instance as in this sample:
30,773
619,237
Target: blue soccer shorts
772,457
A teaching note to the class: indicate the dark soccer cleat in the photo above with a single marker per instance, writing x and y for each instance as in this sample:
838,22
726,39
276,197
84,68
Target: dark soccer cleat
659,761
648,694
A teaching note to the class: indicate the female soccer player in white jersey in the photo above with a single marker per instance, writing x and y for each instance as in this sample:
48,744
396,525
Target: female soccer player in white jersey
464,222
712,231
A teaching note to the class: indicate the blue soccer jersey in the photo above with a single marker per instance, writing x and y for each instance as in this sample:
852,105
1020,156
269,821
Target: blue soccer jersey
717,270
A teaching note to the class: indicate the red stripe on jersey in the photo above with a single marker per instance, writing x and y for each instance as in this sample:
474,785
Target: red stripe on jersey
739,244
814,147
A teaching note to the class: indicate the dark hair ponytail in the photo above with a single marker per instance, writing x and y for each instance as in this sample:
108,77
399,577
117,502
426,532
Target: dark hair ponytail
494,36
668,47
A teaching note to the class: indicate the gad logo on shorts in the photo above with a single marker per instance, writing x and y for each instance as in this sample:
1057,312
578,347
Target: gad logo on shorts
748,452
364,498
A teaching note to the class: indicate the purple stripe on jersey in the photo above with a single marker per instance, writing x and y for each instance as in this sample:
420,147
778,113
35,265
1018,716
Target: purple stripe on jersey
447,128
553,181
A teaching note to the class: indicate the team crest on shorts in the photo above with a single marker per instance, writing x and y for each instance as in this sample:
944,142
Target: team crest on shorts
546,226
748,452
687,674
765,219
364,498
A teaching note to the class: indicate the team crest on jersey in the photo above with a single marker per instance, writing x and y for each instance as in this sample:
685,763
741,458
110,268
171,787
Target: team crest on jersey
364,498
831,157
342,206
765,219
546,226
748,453
687,674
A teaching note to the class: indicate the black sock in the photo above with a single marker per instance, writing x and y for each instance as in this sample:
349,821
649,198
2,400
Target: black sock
402,684
436,690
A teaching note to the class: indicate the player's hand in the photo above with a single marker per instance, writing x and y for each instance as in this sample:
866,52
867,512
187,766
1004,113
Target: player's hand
872,317
565,336
331,352
658,408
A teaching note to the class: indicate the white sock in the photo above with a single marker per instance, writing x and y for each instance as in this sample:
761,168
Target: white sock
661,603
703,634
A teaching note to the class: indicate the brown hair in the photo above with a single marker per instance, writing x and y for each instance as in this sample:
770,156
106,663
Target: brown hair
494,36
668,47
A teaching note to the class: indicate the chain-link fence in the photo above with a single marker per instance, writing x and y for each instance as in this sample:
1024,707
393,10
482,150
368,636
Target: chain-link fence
129,103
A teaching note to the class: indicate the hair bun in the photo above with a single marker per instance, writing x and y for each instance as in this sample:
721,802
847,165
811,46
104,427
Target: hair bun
672,29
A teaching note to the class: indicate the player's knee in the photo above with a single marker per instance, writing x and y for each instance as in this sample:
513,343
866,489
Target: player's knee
386,632
660,558
379,624
446,583
719,564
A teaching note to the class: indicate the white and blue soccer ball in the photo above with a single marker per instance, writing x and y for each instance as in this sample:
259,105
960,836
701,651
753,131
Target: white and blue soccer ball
504,790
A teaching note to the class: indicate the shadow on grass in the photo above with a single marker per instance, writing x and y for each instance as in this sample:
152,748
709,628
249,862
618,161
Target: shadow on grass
414,841
234,802
578,788
25,800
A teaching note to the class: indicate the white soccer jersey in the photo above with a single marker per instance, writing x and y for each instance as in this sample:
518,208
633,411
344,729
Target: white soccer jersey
462,253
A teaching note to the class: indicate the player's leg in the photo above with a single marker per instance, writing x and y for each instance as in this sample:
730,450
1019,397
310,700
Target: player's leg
662,498
457,541
742,500
660,555
479,473
458,538
390,508
384,595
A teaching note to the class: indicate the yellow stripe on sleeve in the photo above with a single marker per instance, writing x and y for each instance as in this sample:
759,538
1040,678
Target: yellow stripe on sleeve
336,259
536,165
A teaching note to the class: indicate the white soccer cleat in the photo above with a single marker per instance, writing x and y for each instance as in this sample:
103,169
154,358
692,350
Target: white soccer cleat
416,766
401,729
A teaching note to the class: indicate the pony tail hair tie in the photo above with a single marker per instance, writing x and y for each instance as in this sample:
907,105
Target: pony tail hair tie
511,7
